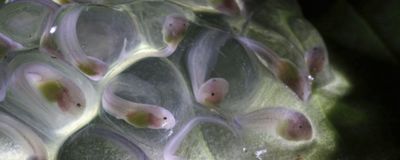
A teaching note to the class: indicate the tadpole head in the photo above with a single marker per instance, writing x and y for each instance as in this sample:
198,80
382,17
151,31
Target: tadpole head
174,28
296,127
315,60
212,92
167,119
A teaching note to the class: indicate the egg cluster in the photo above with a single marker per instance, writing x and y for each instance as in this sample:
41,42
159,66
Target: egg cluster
161,79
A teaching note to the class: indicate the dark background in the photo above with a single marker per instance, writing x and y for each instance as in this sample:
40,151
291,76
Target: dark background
363,38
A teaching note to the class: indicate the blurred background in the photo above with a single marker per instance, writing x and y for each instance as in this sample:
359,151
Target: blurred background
363,38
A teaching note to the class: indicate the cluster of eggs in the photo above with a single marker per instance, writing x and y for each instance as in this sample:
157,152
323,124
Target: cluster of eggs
143,75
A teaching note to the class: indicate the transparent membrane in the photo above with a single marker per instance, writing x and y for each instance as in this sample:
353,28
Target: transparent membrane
24,21
97,142
39,89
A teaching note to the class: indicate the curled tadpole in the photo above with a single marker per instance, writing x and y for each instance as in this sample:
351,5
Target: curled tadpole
52,86
101,142
282,68
174,143
165,27
284,122
202,59
90,37
117,138
24,136
173,30
137,114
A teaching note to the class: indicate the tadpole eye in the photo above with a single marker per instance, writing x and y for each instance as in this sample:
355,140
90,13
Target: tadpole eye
165,118
78,104
212,94
300,126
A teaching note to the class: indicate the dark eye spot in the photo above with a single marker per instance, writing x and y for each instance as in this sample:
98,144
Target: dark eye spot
78,104
165,118
212,94
170,24
300,126
53,57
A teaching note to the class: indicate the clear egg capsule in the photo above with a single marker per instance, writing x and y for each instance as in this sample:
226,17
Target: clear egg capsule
91,37
221,139
286,123
101,142
202,58
49,95
165,27
293,76
24,21
31,146
314,50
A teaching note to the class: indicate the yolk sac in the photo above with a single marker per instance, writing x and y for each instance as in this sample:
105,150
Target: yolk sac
137,114
140,119
228,7
58,92
174,29
287,123
315,60
174,143
24,136
212,92
93,68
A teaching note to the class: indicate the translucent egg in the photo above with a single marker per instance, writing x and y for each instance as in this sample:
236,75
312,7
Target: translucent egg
24,21
43,94
91,37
